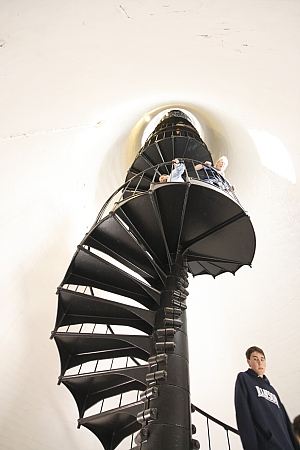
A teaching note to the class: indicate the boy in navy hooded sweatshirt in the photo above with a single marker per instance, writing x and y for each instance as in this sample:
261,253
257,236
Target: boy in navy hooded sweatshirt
261,418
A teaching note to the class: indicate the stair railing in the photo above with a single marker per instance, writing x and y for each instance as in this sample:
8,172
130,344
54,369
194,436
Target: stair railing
217,181
175,129
227,428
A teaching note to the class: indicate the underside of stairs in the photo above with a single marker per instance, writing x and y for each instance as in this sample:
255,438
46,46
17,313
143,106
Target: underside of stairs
130,273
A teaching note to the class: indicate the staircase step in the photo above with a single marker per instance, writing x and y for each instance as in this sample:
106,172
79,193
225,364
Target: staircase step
77,308
139,214
142,181
203,267
142,162
89,389
232,241
113,426
113,238
88,269
217,230
170,201
78,348
207,207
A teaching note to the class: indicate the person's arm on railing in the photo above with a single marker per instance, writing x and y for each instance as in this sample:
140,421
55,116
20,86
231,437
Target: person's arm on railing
177,170
200,166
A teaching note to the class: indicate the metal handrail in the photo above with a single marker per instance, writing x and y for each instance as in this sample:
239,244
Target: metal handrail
218,422
213,419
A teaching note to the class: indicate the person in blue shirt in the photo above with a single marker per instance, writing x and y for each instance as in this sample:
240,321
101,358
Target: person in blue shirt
176,174
262,421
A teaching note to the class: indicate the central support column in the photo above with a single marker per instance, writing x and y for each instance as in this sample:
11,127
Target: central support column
166,419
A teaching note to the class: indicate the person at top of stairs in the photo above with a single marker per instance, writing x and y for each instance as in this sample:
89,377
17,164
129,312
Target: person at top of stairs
176,174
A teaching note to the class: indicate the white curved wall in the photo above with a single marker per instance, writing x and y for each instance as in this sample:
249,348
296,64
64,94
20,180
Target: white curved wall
66,66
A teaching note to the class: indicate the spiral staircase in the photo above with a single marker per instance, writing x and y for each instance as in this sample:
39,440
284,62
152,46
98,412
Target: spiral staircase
131,270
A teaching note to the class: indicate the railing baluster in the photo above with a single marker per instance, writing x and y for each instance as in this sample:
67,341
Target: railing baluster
208,433
228,441
131,442
102,404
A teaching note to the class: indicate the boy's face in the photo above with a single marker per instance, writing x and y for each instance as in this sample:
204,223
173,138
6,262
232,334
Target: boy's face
257,362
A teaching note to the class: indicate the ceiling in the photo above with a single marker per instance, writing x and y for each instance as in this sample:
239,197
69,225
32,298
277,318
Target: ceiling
78,82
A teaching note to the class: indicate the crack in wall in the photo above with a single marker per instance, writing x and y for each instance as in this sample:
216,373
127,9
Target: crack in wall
41,132
125,12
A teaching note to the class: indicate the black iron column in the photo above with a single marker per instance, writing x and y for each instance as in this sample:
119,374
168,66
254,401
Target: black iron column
166,419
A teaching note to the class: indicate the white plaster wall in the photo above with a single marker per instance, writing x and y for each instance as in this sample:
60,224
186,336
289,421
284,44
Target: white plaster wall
66,66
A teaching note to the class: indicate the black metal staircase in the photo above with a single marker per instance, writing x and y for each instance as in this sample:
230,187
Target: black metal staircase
131,270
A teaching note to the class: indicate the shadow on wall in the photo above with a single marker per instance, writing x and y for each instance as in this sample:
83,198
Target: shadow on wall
112,170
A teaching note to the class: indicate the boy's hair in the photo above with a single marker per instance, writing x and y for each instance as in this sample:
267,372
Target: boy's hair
296,425
252,350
